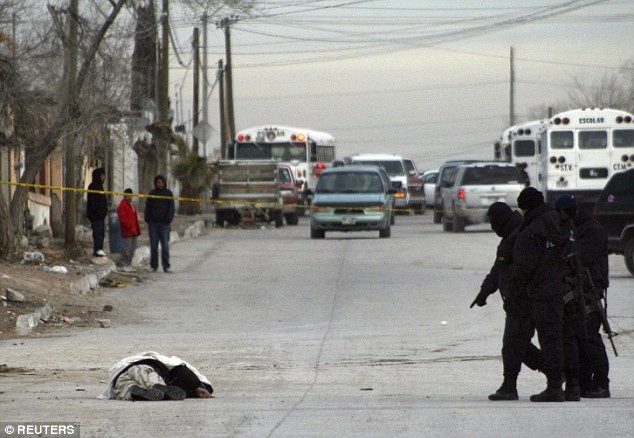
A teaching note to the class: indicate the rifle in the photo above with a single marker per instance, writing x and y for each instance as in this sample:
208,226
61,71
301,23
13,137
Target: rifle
581,273
602,313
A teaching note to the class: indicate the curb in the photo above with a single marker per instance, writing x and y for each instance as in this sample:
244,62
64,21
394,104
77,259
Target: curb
27,322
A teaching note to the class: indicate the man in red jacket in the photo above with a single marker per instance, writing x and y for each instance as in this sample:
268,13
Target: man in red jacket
130,230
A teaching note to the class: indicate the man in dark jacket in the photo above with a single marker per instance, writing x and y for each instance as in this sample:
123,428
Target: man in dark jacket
591,243
538,256
97,210
518,326
159,213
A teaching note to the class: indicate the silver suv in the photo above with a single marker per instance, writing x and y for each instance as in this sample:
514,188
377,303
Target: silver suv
473,188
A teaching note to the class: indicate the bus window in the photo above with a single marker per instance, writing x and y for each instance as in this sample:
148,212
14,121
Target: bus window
593,140
287,152
561,140
313,152
253,151
524,148
623,138
325,154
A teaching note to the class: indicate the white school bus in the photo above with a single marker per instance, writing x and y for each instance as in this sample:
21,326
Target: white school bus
582,149
521,145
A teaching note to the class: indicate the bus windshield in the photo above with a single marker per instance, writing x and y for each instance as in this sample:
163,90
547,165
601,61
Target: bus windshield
285,152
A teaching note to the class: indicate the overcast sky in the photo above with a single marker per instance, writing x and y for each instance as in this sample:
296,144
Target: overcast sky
423,78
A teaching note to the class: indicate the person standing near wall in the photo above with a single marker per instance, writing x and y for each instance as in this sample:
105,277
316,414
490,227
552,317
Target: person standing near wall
130,230
97,210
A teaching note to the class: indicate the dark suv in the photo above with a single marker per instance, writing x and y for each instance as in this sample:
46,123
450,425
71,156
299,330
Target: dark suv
615,212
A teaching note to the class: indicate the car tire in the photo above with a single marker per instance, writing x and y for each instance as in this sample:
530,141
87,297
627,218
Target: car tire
446,224
419,209
392,218
628,255
385,232
317,234
292,219
220,221
438,214
278,216
233,218
457,223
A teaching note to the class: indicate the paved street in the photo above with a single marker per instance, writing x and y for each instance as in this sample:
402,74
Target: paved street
348,336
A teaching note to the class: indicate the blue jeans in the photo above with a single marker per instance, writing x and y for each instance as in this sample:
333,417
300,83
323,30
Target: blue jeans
98,234
159,234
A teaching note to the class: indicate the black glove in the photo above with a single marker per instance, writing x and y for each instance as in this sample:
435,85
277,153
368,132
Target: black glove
480,300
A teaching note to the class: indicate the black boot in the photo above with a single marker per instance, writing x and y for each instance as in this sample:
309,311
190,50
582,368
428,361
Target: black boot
149,394
599,392
508,390
170,392
573,390
504,393
552,393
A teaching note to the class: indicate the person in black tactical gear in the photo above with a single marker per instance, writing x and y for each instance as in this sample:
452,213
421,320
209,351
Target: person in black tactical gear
574,309
97,210
540,266
518,327
591,242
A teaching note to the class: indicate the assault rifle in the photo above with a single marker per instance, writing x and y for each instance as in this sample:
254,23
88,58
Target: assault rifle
597,305
602,313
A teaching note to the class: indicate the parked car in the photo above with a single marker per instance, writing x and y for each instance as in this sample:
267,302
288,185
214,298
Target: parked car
429,184
352,198
290,196
445,174
614,210
395,168
414,187
473,188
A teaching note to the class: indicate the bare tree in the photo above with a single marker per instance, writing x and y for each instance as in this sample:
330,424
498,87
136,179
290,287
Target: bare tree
612,90
68,113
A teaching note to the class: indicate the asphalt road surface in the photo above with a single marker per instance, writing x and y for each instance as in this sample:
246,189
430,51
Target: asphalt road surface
347,336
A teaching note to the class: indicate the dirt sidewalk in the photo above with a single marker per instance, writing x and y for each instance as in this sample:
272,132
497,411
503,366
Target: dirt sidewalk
62,305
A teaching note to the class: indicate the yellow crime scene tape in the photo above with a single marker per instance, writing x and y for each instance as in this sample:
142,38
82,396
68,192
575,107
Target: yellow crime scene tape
176,198
207,201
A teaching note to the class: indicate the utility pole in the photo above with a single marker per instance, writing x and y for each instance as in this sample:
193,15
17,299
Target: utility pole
205,83
196,47
226,23
221,99
70,70
164,69
512,92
